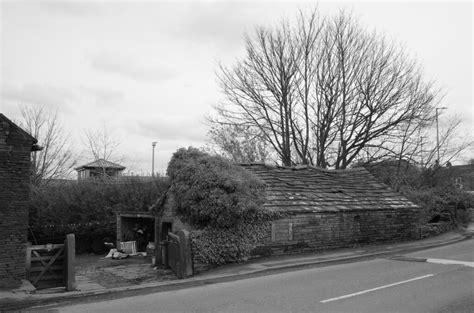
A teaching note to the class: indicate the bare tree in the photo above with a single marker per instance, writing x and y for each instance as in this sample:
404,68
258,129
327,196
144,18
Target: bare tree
238,144
453,141
102,144
324,91
55,160
267,89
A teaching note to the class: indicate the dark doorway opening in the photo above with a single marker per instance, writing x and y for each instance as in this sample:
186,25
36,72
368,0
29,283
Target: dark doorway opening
166,228
139,227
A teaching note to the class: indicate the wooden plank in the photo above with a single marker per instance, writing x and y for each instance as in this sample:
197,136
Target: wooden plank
50,277
46,247
56,263
44,252
42,258
137,215
45,258
173,257
173,236
49,284
48,265
51,268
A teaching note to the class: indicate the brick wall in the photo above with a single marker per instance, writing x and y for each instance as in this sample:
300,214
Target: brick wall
15,149
323,231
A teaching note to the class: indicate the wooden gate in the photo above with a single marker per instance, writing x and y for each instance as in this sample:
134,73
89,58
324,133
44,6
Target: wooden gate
177,254
173,253
52,265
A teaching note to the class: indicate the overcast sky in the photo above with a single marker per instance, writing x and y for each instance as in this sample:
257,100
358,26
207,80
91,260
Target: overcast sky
146,70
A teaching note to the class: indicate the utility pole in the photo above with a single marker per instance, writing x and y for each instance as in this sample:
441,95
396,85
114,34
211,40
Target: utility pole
153,144
421,150
437,131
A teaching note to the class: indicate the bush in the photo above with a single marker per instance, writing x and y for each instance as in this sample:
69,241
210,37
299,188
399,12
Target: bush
443,203
431,188
223,201
221,246
211,192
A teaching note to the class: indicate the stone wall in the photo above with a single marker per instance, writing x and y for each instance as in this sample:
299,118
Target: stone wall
168,216
324,231
15,165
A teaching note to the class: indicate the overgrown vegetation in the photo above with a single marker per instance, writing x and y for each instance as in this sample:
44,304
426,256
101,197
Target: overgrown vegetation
220,246
433,189
222,201
87,208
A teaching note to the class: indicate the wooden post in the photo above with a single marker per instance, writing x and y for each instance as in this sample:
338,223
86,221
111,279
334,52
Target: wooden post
119,230
164,253
28,260
186,262
69,259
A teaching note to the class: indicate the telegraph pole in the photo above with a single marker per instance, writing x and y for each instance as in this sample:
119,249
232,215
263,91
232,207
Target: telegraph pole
153,144
421,150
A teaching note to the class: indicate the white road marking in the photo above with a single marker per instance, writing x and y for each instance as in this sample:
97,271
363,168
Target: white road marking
377,288
444,261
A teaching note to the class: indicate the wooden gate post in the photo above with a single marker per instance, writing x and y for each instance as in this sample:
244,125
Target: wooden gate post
70,256
186,261
28,260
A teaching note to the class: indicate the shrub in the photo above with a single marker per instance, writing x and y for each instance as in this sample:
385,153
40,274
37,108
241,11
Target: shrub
211,192
223,201
220,246
442,203
431,188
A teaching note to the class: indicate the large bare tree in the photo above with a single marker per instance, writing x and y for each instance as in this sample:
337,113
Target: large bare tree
55,160
324,90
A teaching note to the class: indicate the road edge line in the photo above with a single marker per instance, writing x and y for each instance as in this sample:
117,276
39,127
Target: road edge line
376,288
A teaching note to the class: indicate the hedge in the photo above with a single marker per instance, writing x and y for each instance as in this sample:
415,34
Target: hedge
87,208
90,237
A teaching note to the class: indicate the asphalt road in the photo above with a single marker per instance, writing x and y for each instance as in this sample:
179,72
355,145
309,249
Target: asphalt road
402,284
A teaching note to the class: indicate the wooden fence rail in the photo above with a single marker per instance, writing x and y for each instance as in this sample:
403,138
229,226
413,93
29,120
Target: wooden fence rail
52,265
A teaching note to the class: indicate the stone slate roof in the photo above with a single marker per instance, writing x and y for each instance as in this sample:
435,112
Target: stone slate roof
308,189
101,163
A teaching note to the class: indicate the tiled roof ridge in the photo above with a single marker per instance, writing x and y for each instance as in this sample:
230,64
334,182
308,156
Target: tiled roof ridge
96,163
311,189
303,167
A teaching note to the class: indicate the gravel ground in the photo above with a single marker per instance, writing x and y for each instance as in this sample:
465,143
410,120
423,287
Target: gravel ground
119,273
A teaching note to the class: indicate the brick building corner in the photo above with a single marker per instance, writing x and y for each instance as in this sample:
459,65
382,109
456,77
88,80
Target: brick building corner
16,146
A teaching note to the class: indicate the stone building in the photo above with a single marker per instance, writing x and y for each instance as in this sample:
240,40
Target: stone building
16,146
326,209
322,209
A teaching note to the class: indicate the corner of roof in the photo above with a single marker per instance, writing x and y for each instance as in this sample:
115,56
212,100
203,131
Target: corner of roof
34,146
